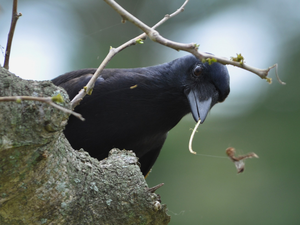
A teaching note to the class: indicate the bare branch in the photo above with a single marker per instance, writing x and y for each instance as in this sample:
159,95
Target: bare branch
192,47
113,51
48,100
14,19
155,36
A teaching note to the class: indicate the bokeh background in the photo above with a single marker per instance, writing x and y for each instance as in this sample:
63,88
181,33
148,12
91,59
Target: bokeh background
54,36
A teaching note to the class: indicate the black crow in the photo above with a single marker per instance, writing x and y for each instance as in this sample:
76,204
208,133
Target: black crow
134,109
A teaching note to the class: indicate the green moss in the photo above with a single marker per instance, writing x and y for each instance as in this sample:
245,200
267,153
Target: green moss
108,202
76,180
61,187
63,205
43,221
94,187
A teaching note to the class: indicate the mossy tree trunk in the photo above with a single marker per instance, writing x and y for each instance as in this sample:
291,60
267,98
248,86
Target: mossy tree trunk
44,181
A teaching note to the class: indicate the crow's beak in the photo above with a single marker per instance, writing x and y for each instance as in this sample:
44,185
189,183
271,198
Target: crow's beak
199,108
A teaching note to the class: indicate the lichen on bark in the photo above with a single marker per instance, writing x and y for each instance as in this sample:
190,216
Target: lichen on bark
44,181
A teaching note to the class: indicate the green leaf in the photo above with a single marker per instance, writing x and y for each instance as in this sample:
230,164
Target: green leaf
139,41
58,98
239,58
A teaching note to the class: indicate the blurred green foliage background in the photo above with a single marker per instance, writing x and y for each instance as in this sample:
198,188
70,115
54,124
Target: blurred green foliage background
54,36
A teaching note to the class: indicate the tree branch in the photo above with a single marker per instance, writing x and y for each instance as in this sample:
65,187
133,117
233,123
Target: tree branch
14,19
191,47
155,36
44,181
113,51
49,100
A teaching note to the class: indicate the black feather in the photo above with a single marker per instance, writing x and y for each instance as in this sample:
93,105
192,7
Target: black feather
134,109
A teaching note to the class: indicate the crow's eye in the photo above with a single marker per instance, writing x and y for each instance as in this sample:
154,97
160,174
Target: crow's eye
197,71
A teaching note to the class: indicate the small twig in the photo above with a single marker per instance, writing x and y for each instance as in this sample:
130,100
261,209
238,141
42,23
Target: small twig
79,116
113,51
14,19
153,189
48,100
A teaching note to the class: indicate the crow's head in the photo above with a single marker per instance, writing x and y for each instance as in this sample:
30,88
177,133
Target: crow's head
204,85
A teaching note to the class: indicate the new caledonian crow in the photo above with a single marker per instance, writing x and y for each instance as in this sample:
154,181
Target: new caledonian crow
134,109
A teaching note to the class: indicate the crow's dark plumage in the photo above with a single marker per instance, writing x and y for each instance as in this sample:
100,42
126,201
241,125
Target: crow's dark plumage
135,108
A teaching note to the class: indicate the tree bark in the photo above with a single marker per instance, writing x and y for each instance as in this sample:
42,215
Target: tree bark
44,181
